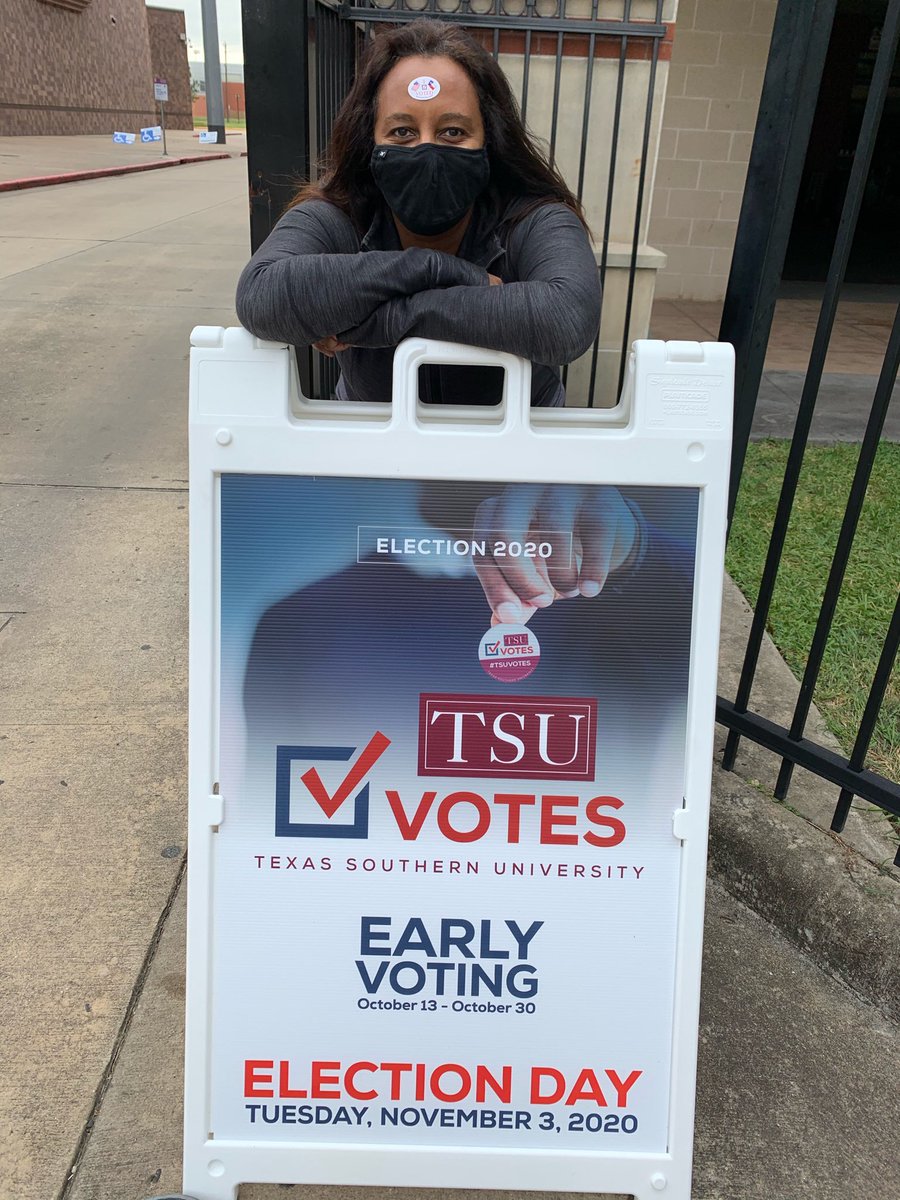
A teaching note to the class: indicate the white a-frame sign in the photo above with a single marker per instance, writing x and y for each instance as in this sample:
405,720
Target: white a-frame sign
452,699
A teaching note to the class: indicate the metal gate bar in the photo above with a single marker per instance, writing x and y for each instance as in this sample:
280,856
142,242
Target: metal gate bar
787,106
610,187
868,785
867,725
529,21
638,209
277,111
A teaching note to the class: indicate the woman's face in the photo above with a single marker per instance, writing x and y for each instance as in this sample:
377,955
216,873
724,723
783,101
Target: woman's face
450,118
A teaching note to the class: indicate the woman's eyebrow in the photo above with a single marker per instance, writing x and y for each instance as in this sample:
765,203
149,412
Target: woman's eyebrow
462,118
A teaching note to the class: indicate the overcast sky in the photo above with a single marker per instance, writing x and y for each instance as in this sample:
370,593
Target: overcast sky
229,17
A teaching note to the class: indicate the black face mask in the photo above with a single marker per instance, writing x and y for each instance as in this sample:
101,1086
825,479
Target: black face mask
430,188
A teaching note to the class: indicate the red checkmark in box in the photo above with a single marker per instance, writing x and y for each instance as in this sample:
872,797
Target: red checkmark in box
329,804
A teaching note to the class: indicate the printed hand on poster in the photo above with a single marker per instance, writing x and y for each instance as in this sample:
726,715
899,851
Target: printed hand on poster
593,552
591,531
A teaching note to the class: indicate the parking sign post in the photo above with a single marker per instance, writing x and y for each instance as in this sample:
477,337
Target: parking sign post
161,95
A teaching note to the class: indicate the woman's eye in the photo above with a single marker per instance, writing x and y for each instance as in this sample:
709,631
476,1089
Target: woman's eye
402,131
454,133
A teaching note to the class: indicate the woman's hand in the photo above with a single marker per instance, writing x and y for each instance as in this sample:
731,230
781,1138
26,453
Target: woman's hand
330,346
590,532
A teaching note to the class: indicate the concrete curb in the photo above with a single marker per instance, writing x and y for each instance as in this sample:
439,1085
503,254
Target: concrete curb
34,181
825,897
833,896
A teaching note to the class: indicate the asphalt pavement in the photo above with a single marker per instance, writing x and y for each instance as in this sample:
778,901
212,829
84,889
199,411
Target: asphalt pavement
100,285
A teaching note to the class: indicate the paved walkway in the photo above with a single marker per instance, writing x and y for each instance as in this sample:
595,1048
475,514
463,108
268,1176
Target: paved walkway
100,285
28,157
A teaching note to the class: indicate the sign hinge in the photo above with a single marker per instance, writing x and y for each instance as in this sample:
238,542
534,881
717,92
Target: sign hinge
681,819
216,809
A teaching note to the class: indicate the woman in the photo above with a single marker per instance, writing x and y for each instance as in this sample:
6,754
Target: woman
436,216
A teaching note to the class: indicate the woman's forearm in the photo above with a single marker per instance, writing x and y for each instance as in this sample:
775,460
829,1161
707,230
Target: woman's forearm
550,323
309,280
302,298
550,314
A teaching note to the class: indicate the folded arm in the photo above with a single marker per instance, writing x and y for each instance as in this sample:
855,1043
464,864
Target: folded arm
549,315
308,280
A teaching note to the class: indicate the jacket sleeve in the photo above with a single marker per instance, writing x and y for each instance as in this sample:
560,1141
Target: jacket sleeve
308,280
549,314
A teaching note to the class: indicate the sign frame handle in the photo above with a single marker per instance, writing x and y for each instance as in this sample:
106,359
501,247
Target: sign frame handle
514,411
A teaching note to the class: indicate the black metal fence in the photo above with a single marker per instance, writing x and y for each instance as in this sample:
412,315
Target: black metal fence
797,57
561,32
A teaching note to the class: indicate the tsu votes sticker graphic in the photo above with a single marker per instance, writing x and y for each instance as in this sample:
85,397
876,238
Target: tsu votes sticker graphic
424,88
509,653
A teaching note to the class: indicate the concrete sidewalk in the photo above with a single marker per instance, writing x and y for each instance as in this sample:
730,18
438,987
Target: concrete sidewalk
100,285
24,159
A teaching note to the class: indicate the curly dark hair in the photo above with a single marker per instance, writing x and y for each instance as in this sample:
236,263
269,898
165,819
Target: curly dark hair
519,169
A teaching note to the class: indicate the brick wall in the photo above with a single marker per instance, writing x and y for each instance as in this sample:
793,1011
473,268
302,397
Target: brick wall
715,80
168,56
75,72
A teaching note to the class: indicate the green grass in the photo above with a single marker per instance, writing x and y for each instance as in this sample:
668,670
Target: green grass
231,123
870,584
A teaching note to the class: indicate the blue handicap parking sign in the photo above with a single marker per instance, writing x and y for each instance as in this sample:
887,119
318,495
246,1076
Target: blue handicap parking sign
152,134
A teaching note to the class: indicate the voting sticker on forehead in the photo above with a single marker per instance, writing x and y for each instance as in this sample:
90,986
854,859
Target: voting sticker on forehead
424,87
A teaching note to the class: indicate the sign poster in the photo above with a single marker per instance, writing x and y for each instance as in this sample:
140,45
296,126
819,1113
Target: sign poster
446,882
